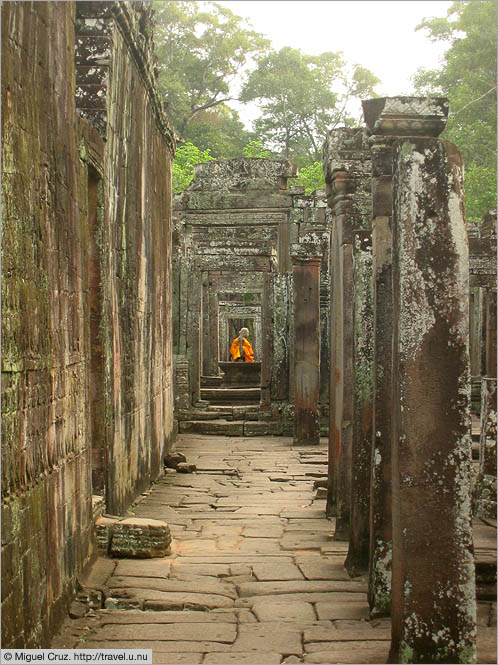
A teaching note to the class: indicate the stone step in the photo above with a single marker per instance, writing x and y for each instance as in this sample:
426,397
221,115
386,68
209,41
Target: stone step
211,381
231,427
231,395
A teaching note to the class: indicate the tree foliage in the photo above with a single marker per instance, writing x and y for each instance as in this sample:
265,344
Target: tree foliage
301,97
187,156
311,177
256,149
468,77
201,47
218,130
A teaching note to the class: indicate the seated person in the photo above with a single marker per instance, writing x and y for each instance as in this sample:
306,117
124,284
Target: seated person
241,349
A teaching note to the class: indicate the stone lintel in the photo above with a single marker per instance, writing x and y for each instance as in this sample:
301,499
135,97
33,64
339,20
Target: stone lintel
406,116
309,253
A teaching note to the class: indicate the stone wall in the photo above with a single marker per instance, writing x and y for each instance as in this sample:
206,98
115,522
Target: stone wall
86,299
234,227
135,255
46,489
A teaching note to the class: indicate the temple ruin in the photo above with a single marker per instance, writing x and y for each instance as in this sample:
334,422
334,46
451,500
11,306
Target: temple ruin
371,308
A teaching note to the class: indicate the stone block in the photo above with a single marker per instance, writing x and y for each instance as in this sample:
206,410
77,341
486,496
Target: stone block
172,460
265,428
184,467
140,539
103,532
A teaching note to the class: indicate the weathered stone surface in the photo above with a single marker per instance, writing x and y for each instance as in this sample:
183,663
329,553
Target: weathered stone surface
204,585
164,658
350,609
324,569
406,116
432,447
346,164
140,538
306,260
103,532
484,493
298,586
276,571
156,568
184,467
269,636
189,632
172,460
262,657
271,609
353,652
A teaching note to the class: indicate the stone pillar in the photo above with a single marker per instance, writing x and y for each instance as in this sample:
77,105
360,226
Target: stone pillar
358,553
306,260
485,487
386,119
491,332
379,586
194,324
433,605
346,165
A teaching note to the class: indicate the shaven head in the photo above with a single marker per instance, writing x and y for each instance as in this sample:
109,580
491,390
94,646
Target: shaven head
243,332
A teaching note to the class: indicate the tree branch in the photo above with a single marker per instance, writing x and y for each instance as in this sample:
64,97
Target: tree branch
473,102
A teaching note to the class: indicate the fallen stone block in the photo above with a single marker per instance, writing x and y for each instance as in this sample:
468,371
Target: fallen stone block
184,467
138,538
77,610
103,532
172,460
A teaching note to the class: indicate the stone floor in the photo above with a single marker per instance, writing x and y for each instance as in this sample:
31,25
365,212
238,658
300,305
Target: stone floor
255,575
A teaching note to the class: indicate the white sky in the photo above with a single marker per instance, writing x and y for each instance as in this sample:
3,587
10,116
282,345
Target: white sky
377,34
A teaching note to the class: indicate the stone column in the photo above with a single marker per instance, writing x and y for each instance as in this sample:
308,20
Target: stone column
485,486
306,260
346,165
359,540
433,604
194,324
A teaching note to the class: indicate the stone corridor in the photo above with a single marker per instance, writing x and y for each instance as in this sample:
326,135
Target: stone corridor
255,575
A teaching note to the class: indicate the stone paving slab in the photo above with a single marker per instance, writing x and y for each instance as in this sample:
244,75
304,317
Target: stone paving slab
324,569
247,658
297,611
352,652
269,636
276,571
329,597
140,568
362,631
298,586
208,586
230,592
163,658
108,617
329,609
191,632
167,647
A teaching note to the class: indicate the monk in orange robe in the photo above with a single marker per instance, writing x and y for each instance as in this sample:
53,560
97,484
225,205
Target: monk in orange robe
241,349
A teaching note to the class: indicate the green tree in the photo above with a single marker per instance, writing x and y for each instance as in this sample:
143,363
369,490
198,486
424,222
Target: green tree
218,130
467,77
256,149
311,177
301,97
201,47
187,156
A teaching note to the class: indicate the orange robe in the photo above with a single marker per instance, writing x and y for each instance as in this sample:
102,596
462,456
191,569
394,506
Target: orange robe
235,350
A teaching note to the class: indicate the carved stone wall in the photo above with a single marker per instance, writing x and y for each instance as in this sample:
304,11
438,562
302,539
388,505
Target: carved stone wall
86,295
234,227
46,489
